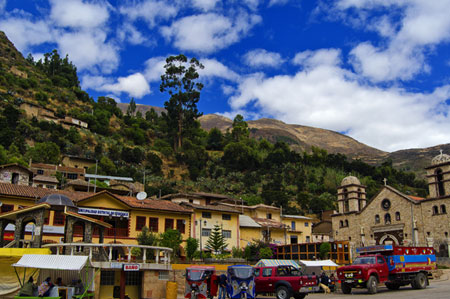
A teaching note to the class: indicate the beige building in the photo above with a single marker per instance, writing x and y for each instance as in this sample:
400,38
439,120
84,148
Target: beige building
392,217
15,174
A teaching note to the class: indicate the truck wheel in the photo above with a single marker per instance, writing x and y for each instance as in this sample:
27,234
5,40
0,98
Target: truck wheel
283,293
420,281
392,286
372,285
346,289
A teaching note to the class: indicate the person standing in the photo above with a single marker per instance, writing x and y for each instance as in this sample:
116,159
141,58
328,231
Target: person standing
222,286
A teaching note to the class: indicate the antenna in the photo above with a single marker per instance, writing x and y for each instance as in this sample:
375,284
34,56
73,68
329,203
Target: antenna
141,196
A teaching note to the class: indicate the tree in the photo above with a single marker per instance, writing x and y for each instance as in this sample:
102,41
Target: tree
191,248
324,250
131,107
45,152
179,81
172,238
145,237
240,128
265,253
216,241
215,140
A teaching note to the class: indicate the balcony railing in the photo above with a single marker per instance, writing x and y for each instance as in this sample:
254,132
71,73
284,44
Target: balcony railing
109,232
89,249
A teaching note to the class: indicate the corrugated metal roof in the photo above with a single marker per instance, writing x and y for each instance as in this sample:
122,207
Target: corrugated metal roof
296,217
56,262
107,177
246,221
271,263
325,263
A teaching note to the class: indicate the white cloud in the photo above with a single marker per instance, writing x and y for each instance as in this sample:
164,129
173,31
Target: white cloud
214,68
154,68
205,5
207,33
263,58
76,13
277,2
25,33
2,5
327,96
88,49
421,26
312,59
129,32
150,11
134,85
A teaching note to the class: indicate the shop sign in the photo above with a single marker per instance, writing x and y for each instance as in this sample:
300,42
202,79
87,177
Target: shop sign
115,265
131,267
101,212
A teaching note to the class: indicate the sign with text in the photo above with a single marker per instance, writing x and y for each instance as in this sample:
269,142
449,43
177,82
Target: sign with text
101,212
131,267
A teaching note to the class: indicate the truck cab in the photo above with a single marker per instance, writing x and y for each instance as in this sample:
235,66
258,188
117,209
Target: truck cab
394,266
285,281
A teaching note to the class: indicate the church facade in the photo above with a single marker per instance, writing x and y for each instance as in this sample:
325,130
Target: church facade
392,217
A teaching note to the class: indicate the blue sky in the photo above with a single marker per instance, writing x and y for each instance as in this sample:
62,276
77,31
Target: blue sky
376,70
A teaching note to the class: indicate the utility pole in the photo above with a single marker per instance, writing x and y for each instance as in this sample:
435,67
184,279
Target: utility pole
95,180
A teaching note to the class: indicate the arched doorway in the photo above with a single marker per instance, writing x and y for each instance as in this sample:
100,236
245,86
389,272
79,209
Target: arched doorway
388,239
27,232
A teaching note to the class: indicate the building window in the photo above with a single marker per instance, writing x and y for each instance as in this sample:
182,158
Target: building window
72,176
58,218
308,239
269,216
397,216
226,217
292,225
346,223
306,224
267,272
163,275
440,182
7,208
153,224
168,224
140,222
47,220
341,223
107,278
133,278
428,234
435,210
40,171
386,204
181,226
206,232
443,209
206,214
377,219
226,234
387,219
294,239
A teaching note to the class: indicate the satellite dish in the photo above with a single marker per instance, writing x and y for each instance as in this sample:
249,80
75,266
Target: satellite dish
141,195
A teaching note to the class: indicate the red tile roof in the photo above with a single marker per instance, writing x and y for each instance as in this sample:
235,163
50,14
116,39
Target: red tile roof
269,223
36,192
416,197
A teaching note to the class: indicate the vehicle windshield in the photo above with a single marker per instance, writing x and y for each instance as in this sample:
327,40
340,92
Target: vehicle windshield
195,275
364,260
243,272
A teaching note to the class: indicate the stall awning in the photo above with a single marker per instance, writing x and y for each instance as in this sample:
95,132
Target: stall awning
325,263
271,263
55,262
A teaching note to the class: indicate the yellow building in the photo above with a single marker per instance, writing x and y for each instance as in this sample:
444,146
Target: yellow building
207,213
299,228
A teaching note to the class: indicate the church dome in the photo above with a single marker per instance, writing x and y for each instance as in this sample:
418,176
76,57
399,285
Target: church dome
439,159
350,180
57,200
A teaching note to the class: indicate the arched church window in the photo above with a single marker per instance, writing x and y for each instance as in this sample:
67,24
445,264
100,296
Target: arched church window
345,193
435,210
440,182
346,223
377,219
359,193
387,219
443,209
341,223
397,216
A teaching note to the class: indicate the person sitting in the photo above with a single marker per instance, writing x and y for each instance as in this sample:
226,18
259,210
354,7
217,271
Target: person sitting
45,287
28,288
59,282
79,288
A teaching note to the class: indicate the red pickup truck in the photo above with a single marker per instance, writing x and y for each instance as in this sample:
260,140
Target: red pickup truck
285,281
395,266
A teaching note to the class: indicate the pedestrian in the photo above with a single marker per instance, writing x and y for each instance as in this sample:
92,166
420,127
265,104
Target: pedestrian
45,287
28,288
222,286
324,282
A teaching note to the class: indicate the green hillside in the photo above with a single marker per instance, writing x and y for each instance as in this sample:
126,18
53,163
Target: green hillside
176,156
